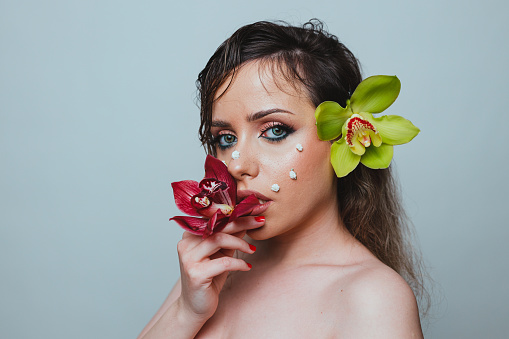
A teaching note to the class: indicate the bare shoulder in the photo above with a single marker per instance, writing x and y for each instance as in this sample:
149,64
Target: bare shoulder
381,287
379,303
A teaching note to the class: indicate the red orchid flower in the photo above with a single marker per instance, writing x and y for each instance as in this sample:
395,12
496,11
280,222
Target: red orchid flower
211,202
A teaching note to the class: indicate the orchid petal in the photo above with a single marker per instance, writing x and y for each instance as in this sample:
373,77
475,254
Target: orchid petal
183,191
244,207
343,159
357,147
215,168
376,139
213,208
360,133
200,201
395,130
192,225
378,157
375,94
215,224
220,225
330,117
211,185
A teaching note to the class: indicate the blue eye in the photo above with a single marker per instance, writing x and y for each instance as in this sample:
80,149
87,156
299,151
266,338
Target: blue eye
277,132
225,141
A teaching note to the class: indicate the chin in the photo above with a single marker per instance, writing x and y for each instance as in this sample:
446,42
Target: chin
266,232
259,233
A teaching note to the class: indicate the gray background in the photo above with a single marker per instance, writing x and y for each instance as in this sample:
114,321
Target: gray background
98,116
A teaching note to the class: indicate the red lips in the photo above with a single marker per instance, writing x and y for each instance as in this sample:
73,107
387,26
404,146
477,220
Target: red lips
241,194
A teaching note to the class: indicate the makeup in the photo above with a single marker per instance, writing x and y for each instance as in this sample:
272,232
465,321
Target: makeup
293,175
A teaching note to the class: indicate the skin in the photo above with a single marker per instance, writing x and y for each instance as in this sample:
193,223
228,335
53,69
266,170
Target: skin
309,278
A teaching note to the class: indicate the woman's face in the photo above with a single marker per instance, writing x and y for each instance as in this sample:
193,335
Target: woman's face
264,123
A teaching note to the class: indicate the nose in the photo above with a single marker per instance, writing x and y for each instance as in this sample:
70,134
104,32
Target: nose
244,164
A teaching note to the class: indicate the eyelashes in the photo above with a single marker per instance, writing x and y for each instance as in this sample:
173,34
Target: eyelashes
275,131
224,141
272,131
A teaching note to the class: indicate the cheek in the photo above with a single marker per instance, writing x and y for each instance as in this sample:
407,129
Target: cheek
311,166
315,158
314,170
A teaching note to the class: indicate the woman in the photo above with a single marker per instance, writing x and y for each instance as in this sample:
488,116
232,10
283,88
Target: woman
326,258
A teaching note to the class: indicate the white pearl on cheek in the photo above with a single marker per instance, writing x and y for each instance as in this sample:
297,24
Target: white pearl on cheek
235,154
299,147
293,175
275,188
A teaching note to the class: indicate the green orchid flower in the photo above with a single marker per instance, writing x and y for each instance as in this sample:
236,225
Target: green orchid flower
362,137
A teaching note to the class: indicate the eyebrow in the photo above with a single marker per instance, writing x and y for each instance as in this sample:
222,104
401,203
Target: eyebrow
260,114
251,117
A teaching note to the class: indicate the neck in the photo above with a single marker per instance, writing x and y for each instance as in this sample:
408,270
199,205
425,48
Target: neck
319,240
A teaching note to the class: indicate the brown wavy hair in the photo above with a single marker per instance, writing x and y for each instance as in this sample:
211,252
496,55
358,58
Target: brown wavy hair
308,56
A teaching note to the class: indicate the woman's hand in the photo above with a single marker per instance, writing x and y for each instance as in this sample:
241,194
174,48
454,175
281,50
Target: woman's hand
204,265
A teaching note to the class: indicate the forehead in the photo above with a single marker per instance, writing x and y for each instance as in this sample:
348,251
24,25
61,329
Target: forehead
258,86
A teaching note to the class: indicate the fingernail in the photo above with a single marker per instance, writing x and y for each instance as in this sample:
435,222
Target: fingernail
252,247
260,218
249,265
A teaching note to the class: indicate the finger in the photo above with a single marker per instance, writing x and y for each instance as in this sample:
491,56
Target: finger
244,223
187,234
225,252
240,234
188,242
218,266
217,242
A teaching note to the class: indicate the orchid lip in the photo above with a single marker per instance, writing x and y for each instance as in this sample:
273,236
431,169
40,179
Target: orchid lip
242,194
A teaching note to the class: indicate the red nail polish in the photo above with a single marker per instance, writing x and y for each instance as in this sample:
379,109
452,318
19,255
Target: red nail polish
252,247
260,218
249,265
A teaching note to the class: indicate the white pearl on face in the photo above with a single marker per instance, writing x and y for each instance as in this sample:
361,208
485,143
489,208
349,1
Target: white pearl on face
299,147
235,154
275,188
293,175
